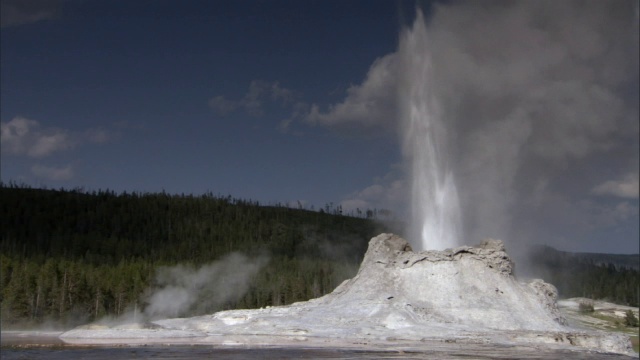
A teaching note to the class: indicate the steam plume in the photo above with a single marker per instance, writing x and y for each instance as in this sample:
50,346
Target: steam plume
181,288
538,112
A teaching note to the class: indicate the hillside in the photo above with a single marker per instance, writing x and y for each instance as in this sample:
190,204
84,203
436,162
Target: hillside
620,261
69,257
609,277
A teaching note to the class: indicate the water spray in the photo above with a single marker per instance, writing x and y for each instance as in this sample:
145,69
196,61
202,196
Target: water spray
435,206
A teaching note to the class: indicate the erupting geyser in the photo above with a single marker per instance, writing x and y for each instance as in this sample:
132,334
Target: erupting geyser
462,296
463,300
435,209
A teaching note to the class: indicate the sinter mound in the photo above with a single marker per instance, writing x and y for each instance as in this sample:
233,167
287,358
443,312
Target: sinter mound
467,294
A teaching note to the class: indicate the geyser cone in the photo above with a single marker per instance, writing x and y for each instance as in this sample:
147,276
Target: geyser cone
435,206
466,294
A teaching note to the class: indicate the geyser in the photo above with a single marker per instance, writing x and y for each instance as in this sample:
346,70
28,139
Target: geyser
434,198
466,295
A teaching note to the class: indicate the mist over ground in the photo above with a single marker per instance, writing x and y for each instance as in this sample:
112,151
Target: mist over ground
181,288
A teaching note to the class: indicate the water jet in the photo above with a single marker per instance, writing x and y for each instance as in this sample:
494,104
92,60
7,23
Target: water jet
435,208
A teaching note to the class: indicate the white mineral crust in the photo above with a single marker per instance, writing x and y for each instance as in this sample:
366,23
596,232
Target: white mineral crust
464,295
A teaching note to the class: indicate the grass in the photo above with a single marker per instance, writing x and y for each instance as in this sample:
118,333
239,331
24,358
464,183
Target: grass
615,324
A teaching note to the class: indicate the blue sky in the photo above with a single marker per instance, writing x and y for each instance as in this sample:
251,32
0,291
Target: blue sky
142,76
287,101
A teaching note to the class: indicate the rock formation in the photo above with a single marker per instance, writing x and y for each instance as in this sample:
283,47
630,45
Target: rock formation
467,294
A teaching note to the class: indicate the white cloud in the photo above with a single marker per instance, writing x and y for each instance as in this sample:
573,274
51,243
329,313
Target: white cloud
281,94
52,172
97,136
568,223
627,187
388,192
253,102
531,93
373,103
22,136
299,110
624,211
352,206
21,12
222,105
591,215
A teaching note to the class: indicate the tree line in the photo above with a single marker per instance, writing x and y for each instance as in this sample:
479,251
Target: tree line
577,275
69,256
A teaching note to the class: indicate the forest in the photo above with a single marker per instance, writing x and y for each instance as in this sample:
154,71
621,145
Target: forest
588,275
69,257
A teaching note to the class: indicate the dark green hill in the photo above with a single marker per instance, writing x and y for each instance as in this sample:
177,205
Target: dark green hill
68,257
620,261
610,277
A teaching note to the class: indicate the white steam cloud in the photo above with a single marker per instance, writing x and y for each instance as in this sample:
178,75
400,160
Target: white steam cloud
181,288
540,102
532,89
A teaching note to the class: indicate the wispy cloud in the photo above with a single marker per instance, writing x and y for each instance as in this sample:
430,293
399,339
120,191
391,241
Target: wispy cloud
53,173
97,136
373,103
585,215
222,105
299,110
259,93
25,137
21,12
627,187
22,136
387,192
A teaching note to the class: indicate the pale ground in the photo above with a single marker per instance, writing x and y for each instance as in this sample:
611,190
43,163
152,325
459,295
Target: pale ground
464,298
606,316
463,301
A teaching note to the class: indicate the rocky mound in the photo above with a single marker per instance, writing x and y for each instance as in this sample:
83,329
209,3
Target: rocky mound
466,294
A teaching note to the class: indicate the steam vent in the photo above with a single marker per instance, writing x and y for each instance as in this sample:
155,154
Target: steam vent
467,295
